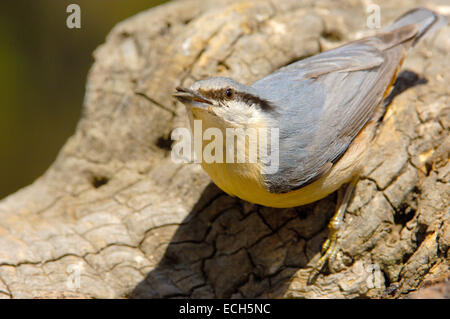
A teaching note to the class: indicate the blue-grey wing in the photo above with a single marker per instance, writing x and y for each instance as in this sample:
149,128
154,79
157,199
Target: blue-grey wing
323,102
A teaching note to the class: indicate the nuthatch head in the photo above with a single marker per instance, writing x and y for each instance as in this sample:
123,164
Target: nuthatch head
226,100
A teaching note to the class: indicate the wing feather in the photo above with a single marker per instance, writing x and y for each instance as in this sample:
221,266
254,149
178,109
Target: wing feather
324,101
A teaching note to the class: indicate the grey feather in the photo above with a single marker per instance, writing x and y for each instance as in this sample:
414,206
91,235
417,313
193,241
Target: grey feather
324,101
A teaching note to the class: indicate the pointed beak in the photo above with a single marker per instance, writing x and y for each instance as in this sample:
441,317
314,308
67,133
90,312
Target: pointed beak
191,98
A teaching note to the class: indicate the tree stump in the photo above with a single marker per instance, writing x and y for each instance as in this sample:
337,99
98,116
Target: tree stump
115,217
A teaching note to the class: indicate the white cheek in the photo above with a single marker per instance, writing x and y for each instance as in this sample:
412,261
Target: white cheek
239,113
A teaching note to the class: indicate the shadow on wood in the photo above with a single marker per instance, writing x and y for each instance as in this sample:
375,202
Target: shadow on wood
228,248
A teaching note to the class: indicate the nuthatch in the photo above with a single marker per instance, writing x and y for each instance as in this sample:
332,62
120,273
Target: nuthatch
326,107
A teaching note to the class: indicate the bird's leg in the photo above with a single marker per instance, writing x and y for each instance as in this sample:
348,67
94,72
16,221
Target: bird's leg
329,247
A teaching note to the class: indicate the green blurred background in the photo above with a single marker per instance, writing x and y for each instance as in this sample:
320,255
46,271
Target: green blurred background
43,69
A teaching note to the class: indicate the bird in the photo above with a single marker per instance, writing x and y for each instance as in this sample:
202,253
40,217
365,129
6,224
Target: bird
326,108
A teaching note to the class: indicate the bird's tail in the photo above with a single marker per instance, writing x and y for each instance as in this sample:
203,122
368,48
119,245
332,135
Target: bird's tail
427,20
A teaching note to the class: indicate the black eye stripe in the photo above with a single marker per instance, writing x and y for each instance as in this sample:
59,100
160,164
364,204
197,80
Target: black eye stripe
252,99
222,95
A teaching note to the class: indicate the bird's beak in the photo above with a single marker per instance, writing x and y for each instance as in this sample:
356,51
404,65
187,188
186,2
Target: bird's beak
191,98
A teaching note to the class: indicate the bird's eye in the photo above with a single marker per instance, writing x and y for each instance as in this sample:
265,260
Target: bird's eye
229,93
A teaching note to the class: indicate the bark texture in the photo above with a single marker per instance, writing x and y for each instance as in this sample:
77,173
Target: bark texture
115,210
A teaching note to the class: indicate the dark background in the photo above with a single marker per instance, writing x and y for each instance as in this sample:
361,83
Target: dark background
43,69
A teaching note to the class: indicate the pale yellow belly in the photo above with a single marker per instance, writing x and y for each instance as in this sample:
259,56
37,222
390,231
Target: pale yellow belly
245,180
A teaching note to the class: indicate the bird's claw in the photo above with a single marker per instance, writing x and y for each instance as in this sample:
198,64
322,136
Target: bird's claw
329,249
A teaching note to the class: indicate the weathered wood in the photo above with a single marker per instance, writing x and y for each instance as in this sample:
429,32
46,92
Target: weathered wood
136,224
